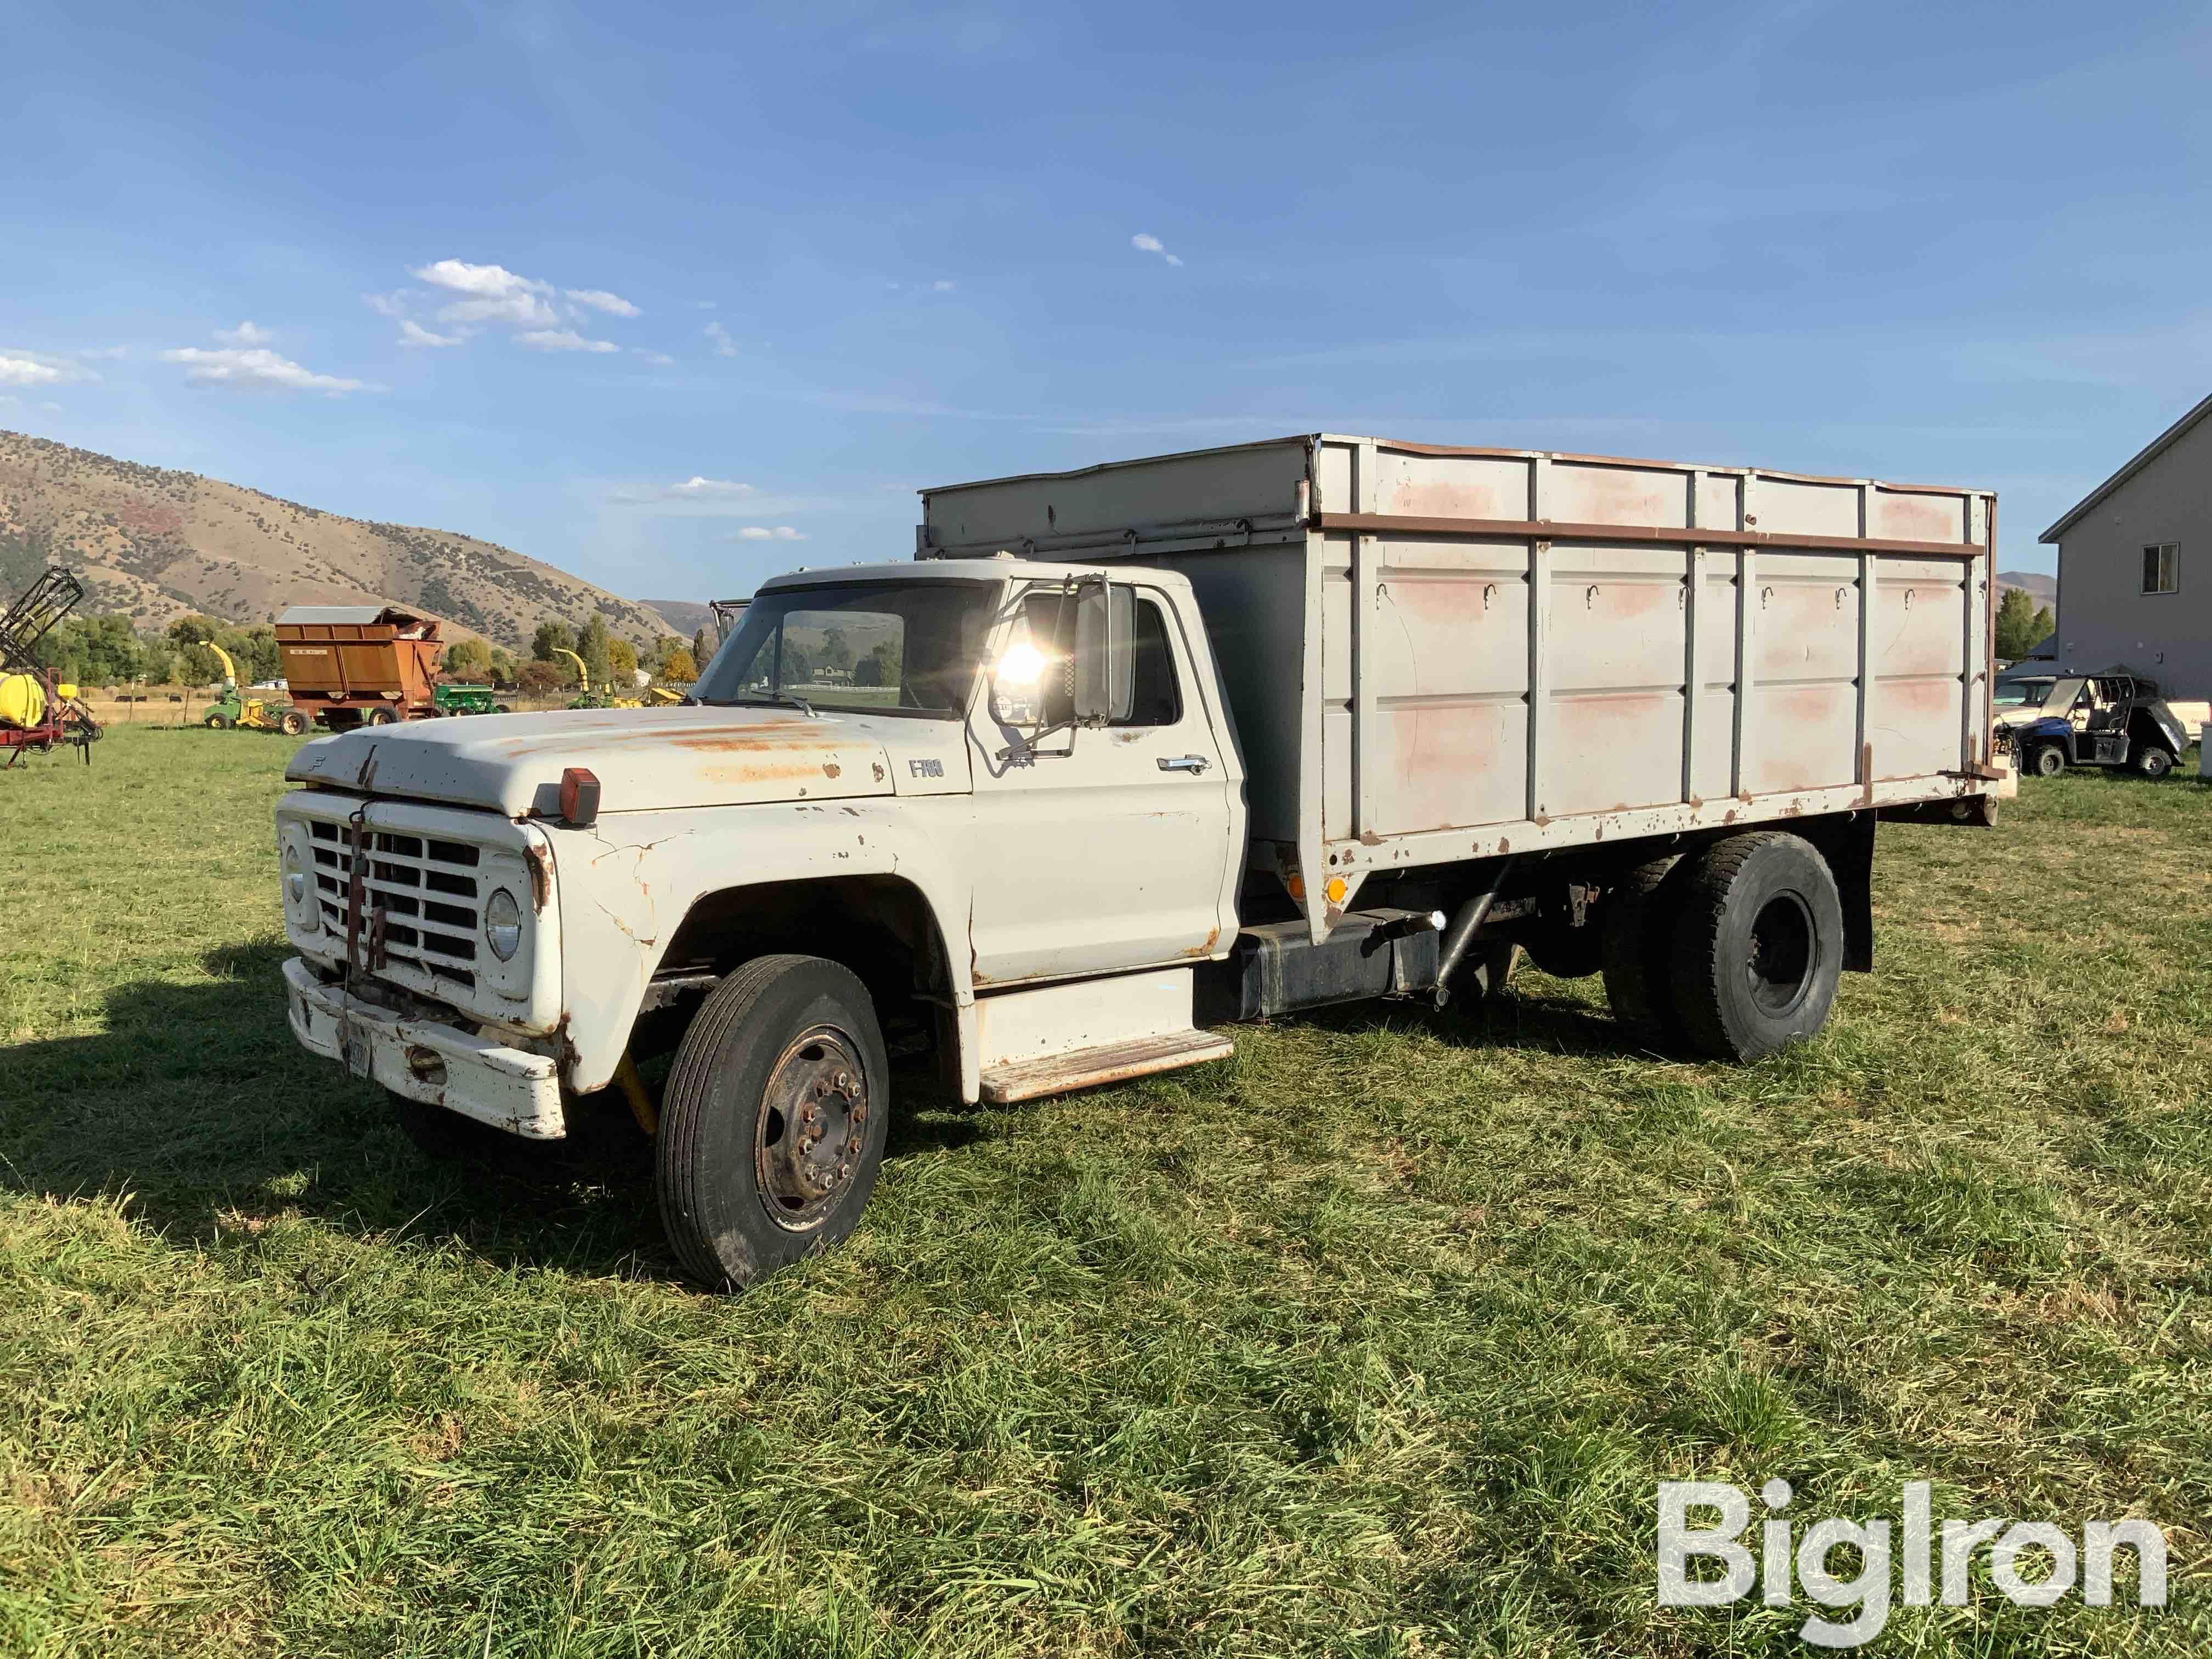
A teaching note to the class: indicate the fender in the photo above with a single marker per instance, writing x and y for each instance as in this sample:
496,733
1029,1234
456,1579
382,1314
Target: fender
625,885
2048,727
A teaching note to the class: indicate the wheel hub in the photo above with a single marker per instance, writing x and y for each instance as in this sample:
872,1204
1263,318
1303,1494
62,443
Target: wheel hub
1779,956
812,1125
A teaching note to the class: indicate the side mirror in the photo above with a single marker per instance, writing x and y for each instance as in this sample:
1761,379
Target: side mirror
1105,663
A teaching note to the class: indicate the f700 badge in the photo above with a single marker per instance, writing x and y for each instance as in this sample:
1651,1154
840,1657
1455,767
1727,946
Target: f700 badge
925,768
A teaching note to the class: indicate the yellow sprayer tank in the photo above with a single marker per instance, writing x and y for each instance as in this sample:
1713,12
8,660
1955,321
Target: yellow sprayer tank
23,701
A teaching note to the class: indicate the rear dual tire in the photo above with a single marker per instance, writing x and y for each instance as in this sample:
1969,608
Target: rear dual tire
1729,954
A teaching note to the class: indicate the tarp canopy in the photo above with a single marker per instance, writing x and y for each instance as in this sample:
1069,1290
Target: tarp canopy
354,615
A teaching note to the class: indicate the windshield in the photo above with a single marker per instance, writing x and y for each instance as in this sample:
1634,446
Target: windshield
871,647
2022,693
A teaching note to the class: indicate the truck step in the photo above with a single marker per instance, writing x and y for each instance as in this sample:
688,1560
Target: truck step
1109,1062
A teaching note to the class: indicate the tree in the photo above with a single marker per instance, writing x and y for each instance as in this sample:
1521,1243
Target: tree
541,679
884,660
835,652
701,650
622,659
468,660
501,666
552,636
193,629
593,644
2016,624
678,666
2045,626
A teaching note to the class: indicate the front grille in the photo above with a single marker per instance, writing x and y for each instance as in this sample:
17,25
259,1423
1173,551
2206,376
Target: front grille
426,887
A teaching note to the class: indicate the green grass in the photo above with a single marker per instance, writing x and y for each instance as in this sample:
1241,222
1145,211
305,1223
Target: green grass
1374,1341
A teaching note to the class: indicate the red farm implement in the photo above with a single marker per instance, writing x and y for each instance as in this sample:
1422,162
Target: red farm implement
35,714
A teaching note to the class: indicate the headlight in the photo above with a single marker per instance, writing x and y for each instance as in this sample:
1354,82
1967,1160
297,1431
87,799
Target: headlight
306,911
502,924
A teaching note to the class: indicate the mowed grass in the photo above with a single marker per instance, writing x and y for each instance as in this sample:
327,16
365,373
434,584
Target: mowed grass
1373,1340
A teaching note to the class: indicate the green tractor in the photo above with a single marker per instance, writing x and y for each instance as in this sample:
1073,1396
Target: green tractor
233,710
467,700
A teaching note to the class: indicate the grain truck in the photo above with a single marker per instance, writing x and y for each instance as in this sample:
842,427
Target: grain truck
1124,757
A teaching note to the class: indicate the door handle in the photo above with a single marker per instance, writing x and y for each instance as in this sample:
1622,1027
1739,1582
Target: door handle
1184,763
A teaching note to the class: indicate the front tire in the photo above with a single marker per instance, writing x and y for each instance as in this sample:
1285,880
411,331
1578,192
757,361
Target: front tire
2154,762
773,1119
1758,947
379,717
2048,761
292,723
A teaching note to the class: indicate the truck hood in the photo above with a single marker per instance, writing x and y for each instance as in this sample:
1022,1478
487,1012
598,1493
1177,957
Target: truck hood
645,759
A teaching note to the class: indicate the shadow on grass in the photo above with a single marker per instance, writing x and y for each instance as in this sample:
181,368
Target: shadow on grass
1518,1018
197,1102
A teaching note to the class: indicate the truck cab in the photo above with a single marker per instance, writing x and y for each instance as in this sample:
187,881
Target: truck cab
988,809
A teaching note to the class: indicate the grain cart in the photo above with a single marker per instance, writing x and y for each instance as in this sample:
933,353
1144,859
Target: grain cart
1148,749
38,713
359,665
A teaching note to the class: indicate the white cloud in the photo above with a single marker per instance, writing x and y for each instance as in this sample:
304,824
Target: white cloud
1145,242
493,294
28,371
393,303
256,368
941,285
248,333
412,333
762,532
695,485
660,357
723,345
706,304
523,310
483,282
561,339
600,299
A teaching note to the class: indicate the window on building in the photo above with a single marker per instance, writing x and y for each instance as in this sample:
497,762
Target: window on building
2162,569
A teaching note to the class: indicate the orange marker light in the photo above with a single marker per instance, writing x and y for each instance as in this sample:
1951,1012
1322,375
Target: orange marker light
580,797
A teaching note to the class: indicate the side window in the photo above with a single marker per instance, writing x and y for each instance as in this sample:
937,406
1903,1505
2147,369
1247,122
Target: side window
2161,569
1154,697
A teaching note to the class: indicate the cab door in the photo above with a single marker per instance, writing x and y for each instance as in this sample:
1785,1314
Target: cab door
1112,849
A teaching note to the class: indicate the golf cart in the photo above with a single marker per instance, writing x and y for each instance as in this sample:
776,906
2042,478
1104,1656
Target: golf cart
2111,718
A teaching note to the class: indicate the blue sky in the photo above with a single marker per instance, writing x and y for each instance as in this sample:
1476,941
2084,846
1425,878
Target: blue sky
698,294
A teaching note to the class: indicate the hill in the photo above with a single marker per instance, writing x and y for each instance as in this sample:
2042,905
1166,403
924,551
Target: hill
2043,589
686,616
155,545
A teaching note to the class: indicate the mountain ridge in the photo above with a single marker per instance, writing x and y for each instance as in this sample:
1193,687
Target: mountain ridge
155,544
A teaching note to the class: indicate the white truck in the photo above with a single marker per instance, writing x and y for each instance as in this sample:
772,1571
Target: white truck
1128,755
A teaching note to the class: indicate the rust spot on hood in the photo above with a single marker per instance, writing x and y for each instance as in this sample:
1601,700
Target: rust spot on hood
541,876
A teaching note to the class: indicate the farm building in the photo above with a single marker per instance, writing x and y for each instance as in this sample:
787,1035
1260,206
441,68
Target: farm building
2135,564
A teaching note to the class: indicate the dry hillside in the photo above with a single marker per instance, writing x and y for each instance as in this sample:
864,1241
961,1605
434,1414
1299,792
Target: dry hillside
155,545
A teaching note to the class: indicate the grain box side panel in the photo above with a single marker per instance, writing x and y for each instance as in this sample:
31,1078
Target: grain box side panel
1204,488
1918,643
1447,664
1804,653
1337,684
1616,675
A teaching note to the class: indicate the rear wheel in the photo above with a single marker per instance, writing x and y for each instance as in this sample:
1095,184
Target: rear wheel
1757,946
773,1122
2154,762
2047,761
379,717
218,722
1636,947
292,723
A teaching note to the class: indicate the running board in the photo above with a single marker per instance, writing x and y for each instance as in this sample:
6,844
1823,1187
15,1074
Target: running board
1109,1062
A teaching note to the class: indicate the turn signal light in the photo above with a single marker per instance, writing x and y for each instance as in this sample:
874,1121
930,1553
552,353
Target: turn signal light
580,797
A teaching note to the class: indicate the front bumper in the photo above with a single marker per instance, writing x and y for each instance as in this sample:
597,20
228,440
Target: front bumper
511,1088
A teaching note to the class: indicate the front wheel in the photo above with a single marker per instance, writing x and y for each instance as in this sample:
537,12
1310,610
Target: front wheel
292,723
773,1122
1759,945
380,717
2154,762
2048,761
217,722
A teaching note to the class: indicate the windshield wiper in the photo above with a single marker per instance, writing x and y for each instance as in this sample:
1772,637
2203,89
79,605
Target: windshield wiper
782,699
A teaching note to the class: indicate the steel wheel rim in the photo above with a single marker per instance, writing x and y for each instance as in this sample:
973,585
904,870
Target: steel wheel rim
1780,954
811,1129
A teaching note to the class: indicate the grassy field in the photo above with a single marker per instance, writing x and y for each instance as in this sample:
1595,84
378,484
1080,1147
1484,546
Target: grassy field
1373,1340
